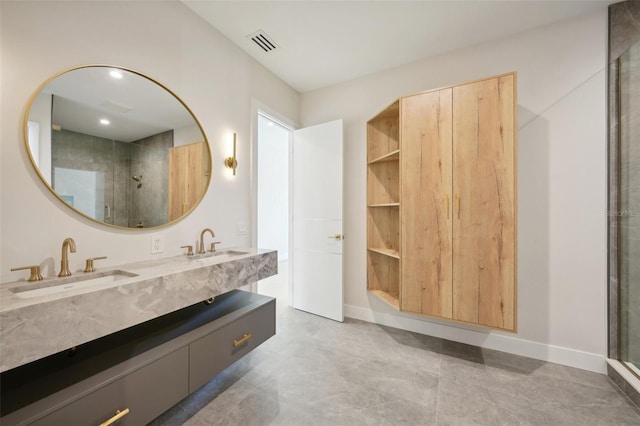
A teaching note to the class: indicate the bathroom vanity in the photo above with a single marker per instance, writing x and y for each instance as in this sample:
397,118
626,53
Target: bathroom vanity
125,343
129,348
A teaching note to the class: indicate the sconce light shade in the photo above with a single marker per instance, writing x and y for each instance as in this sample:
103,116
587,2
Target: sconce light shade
231,162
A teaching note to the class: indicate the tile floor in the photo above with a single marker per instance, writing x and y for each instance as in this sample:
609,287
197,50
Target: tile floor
319,372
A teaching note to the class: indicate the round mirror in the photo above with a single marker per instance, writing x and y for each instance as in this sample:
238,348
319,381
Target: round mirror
117,147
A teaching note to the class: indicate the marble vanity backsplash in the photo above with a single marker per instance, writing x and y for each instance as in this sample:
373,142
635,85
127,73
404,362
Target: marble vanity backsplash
36,327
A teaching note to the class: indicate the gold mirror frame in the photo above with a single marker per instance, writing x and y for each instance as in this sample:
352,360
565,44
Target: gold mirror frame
186,212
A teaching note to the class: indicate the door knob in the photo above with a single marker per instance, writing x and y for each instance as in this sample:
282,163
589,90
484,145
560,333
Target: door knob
337,237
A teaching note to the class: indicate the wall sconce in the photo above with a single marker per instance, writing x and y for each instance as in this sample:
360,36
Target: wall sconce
231,162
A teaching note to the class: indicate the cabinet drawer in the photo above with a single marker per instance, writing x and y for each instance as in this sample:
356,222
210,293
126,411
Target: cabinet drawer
146,392
214,352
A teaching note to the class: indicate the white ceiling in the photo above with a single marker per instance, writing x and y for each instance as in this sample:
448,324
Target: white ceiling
321,43
136,107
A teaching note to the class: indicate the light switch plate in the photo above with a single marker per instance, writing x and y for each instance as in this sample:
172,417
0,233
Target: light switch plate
157,244
243,228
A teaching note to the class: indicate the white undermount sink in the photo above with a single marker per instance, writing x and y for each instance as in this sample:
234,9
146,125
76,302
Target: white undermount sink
71,283
217,256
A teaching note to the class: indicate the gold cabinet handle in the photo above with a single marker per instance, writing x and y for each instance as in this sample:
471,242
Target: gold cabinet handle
35,274
118,416
458,207
336,237
447,207
238,342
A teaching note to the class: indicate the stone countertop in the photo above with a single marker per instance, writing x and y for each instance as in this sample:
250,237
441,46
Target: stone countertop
33,328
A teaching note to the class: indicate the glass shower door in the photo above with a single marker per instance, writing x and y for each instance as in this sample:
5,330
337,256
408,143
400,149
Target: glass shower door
629,207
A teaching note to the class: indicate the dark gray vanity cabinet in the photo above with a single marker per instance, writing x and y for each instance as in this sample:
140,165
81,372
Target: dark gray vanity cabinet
145,369
146,392
214,352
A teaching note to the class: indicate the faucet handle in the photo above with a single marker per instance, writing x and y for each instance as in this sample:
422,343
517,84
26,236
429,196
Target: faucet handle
212,249
35,272
88,267
189,250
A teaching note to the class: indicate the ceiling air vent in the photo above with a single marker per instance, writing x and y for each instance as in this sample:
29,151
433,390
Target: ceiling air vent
262,40
113,106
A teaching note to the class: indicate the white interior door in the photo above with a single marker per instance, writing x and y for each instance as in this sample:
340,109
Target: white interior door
317,220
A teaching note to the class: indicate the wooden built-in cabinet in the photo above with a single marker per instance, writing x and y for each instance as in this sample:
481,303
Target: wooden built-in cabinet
188,177
441,194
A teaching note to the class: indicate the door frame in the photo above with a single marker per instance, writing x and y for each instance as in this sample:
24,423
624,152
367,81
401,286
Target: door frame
258,108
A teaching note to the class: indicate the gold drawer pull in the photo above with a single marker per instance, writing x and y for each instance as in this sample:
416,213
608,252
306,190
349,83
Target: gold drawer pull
246,337
118,416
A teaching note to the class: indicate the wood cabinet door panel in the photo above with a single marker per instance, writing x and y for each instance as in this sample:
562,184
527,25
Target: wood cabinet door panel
484,196
425,208
188,172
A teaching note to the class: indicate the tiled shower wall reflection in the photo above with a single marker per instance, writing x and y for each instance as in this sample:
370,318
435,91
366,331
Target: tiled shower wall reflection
78,151
149,197
129,202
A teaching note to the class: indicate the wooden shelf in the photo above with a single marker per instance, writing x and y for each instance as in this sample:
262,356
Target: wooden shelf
391,156
387,252
383,196
387,297
384,205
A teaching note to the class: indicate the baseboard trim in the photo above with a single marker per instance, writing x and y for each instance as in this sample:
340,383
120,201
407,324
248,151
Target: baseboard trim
500,342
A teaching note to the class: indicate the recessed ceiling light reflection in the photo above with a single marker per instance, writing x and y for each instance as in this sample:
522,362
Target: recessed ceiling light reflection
116,74
104,122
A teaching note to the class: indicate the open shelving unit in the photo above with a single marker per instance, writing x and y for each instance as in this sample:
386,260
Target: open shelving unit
383,205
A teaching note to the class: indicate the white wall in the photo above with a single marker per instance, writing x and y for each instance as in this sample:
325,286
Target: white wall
561,184
186,135
164,40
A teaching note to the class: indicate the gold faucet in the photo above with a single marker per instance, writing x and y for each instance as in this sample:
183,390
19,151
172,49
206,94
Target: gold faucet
70,245
201,246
